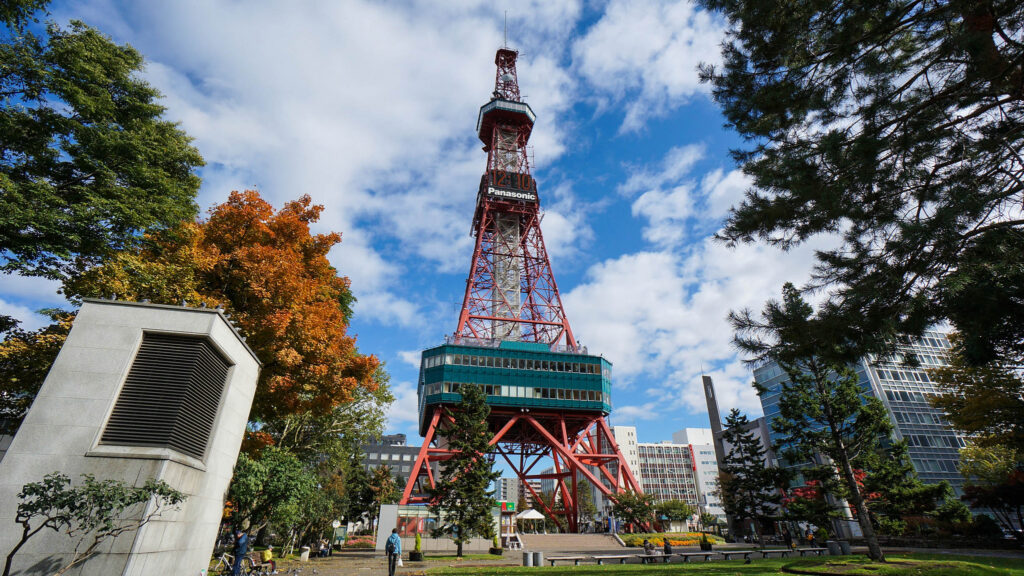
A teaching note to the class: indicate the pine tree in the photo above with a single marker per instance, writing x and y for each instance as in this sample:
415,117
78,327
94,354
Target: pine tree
895,490
461,498
749,489
895,126
824,416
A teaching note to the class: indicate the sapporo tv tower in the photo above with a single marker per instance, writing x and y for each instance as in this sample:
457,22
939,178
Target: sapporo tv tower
548,397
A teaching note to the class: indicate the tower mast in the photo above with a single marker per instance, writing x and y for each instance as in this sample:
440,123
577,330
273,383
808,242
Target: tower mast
511,292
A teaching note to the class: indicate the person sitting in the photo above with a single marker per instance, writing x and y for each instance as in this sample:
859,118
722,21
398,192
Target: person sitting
267,557
648,551
667,547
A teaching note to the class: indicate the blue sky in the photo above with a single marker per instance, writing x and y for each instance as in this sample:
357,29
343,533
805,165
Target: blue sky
370,108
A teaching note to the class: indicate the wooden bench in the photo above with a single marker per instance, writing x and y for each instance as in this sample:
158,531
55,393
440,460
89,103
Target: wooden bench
652,558
620,557
728,554
816,551
575,559
686,555
782,552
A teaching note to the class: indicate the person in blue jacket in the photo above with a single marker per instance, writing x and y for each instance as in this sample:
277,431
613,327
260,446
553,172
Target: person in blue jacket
241,549
393,548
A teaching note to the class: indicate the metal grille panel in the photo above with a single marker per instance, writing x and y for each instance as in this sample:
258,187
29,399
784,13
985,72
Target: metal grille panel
170,397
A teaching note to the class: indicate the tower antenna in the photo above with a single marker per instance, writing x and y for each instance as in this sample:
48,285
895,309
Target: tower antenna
506,29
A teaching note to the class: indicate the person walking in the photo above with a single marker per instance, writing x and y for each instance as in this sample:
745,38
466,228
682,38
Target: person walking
241,549
787,537
393,548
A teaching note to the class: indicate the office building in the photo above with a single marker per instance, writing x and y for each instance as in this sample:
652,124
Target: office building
933,444
668,472
705,463
393,452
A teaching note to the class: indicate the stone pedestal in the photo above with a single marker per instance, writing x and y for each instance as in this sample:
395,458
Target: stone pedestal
138,391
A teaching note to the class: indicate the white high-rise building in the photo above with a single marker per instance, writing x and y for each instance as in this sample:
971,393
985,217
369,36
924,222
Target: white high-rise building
705,463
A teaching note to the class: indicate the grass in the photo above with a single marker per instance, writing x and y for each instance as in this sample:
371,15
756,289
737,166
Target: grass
899,565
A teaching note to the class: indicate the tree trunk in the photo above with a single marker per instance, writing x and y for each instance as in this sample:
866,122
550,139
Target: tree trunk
26,534
874,550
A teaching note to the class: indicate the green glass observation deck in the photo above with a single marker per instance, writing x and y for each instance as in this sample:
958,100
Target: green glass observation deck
514,375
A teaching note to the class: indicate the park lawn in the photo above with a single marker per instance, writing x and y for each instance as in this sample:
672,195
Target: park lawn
899,565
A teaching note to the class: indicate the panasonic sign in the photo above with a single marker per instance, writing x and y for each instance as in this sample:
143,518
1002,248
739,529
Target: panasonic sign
523,195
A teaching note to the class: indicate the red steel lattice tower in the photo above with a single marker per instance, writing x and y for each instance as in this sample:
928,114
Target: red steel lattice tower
548,397
511,291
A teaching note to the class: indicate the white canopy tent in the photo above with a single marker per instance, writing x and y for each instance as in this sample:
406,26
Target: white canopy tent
529,514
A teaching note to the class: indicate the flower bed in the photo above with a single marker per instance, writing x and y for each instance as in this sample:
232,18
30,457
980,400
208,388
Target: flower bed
674,538
360,542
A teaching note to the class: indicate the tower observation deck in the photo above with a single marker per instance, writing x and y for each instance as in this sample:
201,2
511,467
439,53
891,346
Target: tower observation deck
548,396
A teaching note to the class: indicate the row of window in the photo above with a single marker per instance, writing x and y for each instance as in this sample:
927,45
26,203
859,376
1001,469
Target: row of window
388,456
922,440
919,418
523,392
936,465
513,364
903,375
904,396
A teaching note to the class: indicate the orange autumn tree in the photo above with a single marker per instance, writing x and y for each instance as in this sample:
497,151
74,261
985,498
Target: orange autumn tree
271,274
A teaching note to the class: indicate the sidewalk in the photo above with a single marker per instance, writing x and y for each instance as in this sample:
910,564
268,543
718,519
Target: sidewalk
370,562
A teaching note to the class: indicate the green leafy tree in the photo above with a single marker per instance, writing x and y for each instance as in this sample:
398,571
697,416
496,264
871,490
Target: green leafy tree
86,161
708,520
994,479
895,126
384,489
585,509
268,488
461,498
824,416
749,488
91,514
674,511
634,508
985,401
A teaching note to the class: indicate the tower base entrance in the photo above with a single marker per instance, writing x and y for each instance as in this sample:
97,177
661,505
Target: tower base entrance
581,446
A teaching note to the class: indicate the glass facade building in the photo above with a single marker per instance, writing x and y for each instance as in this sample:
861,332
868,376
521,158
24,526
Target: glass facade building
933,444
514,375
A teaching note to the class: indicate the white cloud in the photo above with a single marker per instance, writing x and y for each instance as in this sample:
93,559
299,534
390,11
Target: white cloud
677,164
660,314
723,191
29,319
661,317
404,408
629,413
367,107
410,357
644,55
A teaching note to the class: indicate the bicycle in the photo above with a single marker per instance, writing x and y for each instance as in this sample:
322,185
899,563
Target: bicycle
226,561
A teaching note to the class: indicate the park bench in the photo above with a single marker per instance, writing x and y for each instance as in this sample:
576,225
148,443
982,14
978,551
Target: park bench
686,555
728,554
782,552
652,558
575,559
620,557
816,551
